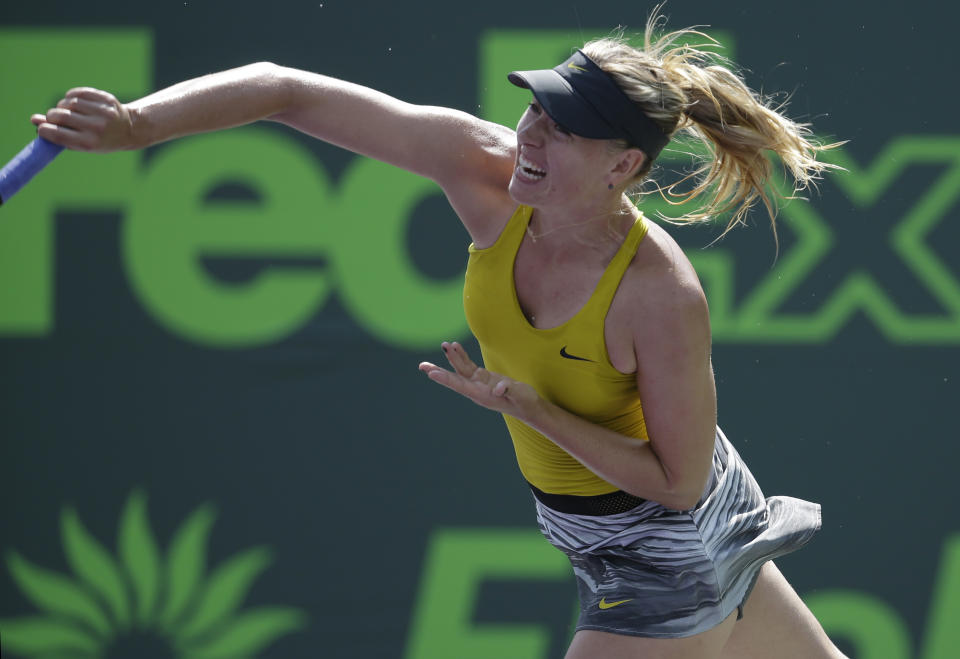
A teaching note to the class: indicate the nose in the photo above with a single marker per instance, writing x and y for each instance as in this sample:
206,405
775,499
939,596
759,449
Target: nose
530,128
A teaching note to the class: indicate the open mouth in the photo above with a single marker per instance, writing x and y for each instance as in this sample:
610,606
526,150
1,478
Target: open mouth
529,170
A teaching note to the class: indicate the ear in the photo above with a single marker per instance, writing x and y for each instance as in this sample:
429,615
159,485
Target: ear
627,165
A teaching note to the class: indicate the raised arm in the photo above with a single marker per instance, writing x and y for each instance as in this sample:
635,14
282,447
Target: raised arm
436,142
471,159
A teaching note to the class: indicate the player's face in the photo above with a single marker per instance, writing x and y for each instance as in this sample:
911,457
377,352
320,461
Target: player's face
554,166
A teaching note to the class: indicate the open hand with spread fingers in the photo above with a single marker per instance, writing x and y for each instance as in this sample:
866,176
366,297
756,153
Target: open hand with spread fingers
491,390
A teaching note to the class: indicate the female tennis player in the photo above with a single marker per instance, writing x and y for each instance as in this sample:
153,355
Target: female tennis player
592,324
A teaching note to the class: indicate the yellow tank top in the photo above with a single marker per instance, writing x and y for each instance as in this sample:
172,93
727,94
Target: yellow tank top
567,365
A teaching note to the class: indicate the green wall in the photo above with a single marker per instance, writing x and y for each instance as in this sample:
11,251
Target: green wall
214,441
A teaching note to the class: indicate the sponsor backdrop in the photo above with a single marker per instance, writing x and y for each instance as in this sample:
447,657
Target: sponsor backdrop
215,443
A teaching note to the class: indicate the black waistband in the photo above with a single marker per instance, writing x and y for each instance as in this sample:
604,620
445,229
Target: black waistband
598,505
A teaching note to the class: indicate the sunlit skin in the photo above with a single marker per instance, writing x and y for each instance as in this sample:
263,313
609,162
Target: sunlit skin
579,171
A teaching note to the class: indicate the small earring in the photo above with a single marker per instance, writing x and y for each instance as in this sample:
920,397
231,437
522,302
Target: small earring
609,186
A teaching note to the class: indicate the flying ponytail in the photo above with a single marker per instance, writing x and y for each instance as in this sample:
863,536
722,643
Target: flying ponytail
686,86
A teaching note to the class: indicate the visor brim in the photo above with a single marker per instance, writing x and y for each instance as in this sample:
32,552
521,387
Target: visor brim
563,103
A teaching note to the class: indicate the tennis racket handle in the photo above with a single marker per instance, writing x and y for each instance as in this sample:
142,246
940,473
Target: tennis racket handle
25,165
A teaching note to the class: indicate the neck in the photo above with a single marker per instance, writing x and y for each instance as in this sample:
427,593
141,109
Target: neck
598,225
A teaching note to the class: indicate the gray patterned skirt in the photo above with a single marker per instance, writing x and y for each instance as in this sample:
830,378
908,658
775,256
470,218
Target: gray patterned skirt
663,573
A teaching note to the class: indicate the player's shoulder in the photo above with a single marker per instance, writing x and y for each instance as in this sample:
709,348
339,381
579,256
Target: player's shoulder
662,287
478,189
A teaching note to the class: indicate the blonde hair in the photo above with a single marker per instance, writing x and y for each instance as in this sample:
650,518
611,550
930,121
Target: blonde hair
686,86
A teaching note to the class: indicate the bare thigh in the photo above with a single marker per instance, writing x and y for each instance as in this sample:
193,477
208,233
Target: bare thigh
777,624
589,644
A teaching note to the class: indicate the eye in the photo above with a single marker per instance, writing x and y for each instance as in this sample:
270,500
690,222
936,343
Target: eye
536,109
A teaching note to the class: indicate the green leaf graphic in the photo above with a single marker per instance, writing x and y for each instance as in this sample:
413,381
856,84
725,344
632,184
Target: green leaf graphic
95,566
185,563
140,555
173,600
45,635
225,591
248,633
57,594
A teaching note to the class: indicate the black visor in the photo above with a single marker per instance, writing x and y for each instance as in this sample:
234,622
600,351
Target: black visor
584,99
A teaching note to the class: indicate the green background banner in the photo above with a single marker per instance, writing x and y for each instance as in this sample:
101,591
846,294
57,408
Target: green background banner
214,441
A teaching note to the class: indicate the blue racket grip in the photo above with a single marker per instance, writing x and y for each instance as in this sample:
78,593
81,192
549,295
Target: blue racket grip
25,165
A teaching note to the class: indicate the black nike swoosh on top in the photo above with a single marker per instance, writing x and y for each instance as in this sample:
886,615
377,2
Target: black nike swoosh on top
564,353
